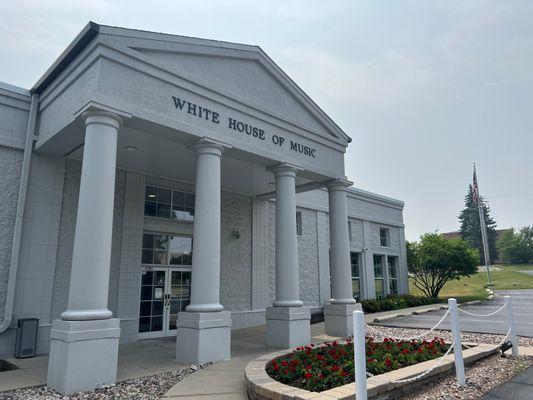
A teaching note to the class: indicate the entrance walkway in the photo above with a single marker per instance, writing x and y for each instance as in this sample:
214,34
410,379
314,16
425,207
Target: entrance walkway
136,359
225,380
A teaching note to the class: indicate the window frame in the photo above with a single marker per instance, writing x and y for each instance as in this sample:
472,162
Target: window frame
387,237
171,204
299,224
389,278
359,278
381,278
168,250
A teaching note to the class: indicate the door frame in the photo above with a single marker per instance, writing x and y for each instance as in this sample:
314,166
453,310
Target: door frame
167,291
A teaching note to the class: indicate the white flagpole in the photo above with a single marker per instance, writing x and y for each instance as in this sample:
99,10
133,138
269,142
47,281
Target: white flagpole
483,228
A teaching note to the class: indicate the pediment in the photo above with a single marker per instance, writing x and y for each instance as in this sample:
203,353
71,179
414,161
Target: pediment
240,72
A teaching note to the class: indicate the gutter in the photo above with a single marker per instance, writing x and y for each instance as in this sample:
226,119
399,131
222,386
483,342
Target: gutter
21,203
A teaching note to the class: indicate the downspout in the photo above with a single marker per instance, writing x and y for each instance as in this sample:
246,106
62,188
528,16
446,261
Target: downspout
21,203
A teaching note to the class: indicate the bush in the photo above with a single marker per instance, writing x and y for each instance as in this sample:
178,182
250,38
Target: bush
394,302
332,365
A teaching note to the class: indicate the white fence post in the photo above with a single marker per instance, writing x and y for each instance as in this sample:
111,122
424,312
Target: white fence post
511,325
457,346
359,353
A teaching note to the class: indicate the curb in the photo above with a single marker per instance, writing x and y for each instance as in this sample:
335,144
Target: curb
260,386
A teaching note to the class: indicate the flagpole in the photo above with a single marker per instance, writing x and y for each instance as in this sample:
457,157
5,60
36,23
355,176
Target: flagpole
483,228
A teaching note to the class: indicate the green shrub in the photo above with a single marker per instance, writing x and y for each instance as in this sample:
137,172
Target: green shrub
393,302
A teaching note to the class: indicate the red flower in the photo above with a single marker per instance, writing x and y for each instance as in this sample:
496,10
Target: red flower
308,367
388,362
405,351
284,363
308,375
276,367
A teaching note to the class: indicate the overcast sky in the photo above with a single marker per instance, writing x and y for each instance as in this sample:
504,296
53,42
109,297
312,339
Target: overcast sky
424,88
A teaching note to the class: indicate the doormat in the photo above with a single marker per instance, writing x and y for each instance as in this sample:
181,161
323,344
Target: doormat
6,366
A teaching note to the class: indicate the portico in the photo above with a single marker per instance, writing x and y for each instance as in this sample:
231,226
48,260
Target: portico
201,190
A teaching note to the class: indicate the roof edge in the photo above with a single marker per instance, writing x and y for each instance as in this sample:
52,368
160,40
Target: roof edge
15,89
375,196
65,58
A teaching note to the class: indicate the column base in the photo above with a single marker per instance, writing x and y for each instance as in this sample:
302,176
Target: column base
203,337
338,318
288,327
83,354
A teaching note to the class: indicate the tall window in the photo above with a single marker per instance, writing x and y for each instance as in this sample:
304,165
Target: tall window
384,237
350,231
298,223
356,277
379,262
166,203
392,263
163,249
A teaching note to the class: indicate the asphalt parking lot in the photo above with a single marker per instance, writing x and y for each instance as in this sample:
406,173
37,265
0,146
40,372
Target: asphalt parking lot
522,308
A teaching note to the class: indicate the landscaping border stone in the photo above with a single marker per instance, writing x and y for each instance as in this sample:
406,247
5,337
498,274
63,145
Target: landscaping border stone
260,386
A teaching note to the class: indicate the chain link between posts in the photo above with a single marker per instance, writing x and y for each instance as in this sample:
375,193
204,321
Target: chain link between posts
408,339
482,315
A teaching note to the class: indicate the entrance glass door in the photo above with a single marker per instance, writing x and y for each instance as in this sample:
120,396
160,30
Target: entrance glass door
164,293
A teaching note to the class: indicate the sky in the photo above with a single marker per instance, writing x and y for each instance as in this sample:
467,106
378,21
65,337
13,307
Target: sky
424,88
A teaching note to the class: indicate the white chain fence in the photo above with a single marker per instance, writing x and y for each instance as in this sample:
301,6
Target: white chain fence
408,339
482,315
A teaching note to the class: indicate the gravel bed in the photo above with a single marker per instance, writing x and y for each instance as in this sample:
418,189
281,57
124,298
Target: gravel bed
145,388
481,377
446,335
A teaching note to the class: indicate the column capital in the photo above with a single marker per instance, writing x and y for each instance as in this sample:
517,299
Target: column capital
338,184
210,146
102,117
284,169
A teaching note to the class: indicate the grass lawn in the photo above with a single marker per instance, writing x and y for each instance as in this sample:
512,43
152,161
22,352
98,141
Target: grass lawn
473,287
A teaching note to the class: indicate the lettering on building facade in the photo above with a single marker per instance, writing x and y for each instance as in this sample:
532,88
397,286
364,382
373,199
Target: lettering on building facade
236,125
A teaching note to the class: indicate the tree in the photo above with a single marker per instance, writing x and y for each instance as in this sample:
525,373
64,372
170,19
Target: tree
470,227
516,247
435,260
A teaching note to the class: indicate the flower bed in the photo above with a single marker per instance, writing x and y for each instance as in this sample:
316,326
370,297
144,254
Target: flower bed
331,365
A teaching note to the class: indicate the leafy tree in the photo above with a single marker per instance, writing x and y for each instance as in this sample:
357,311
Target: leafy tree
435,260
516,247
470,227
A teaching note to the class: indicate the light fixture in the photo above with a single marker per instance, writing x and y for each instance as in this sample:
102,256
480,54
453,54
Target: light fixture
131,148
505,346
236,234
151,196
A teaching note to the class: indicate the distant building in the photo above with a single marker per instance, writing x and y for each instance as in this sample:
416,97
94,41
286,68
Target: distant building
457,234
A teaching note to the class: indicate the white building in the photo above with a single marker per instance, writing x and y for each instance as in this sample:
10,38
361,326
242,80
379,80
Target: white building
153,184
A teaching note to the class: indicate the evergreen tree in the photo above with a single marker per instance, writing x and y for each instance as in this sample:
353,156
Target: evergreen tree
470,227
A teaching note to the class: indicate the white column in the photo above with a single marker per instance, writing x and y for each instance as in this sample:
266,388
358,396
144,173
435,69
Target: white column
341,275
205,280
338,312
287,269
84,342
204,330
288,320
89,279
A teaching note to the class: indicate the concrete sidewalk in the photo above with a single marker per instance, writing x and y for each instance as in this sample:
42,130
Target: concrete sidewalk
518,388
225,380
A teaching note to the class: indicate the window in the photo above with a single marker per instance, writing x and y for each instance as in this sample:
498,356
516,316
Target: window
298,223
356,277
384,237
392,264
166,203
163,249
379,275
350,231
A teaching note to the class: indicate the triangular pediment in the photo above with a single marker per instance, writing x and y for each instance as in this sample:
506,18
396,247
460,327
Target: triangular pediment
240,72
246,79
